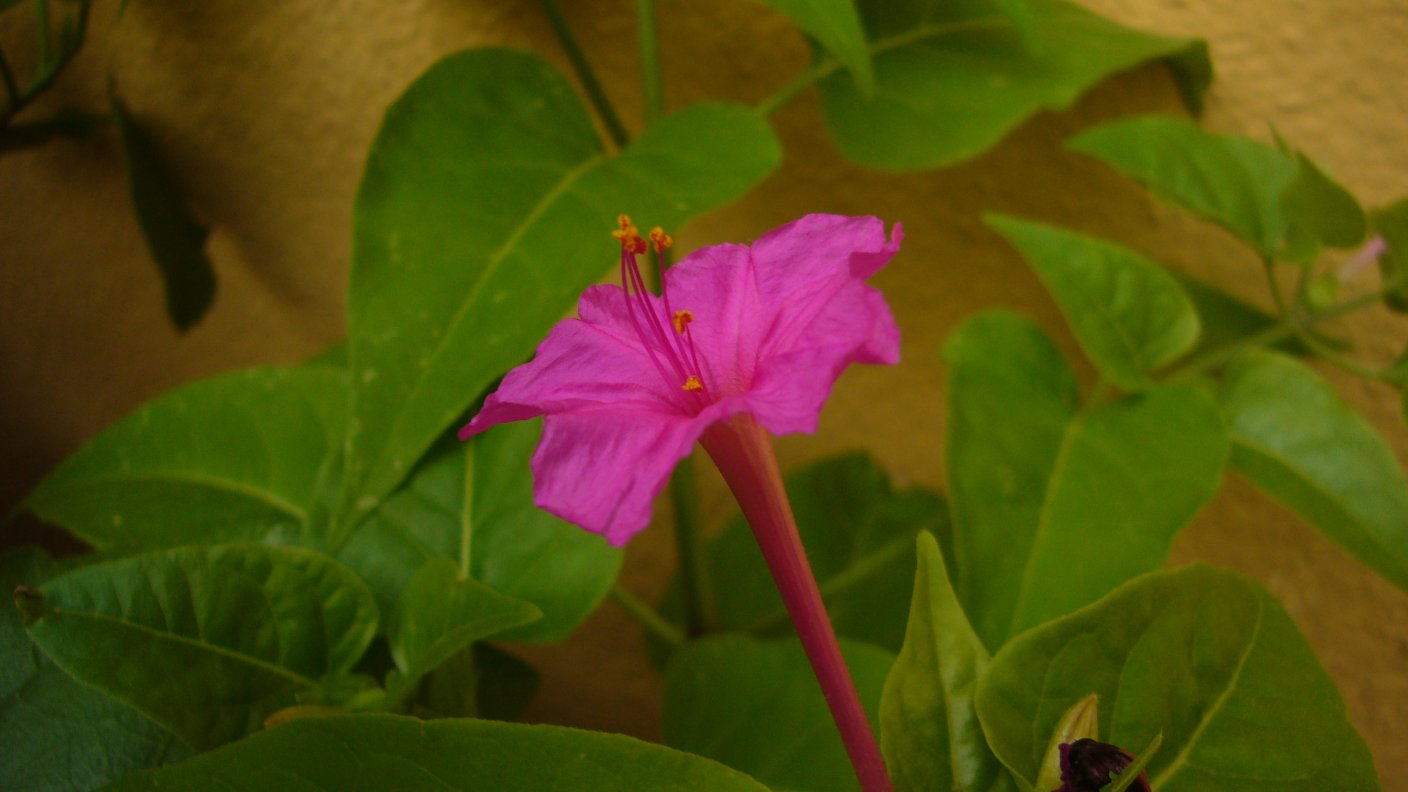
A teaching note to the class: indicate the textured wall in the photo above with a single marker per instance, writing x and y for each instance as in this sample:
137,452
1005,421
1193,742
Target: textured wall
267,109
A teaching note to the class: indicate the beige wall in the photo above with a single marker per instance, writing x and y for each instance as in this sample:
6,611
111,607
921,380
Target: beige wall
268,108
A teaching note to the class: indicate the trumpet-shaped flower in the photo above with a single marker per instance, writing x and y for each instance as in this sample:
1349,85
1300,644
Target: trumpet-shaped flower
629,386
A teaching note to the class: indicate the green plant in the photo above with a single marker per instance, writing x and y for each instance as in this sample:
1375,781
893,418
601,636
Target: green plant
278,545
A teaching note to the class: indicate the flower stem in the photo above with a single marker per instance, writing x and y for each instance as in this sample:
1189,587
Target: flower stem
585,75
741,450
651,89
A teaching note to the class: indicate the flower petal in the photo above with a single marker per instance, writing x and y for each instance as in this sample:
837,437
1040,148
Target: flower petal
790,387
777,322
601,469
583,364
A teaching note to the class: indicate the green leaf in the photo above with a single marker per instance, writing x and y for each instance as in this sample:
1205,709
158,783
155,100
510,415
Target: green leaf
1052,509
756,706
1320,210
835,25
1011,397
1225,320
1129,315
1277,201
1295,439
235,457
1125,778
206,641
859,534
952,78
485,208
929,729
1203,656
1391,223
59,734
516,548
439,613
176,240
373,753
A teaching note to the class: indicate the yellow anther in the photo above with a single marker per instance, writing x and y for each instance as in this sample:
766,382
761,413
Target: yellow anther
681,320
693,384
661,239
629,235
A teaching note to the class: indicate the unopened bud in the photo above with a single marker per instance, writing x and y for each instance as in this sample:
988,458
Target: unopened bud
1081,721
1088,766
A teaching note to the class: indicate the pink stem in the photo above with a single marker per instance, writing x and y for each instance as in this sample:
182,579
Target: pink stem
743,453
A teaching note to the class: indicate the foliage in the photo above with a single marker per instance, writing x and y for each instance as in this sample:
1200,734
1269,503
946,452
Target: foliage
290,561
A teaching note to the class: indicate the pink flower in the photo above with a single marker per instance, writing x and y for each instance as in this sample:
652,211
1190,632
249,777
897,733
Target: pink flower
629,387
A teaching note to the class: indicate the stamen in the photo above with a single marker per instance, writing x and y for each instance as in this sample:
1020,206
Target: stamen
629,235
677,348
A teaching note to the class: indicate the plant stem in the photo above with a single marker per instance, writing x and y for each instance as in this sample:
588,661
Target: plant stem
651,89
1289,326
827,65
1274,284
744,455
41,33
694,568
648,617
585,75
467,511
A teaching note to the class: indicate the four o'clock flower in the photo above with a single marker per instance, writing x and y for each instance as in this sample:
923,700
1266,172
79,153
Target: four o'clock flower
743,341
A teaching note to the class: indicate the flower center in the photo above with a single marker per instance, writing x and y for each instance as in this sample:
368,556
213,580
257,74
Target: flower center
668,341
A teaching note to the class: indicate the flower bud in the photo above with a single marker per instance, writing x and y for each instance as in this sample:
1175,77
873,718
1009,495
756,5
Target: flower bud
1082,720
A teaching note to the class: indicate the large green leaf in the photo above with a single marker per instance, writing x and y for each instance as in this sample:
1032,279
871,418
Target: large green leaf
953,78
1276,200
205,641
835,25
1011,396
235,457
440,613
1294,438
859,535
929,728
1052,509
1129,315
174,238
516,548
1202,656
485,208
756,707
374,753
59,734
